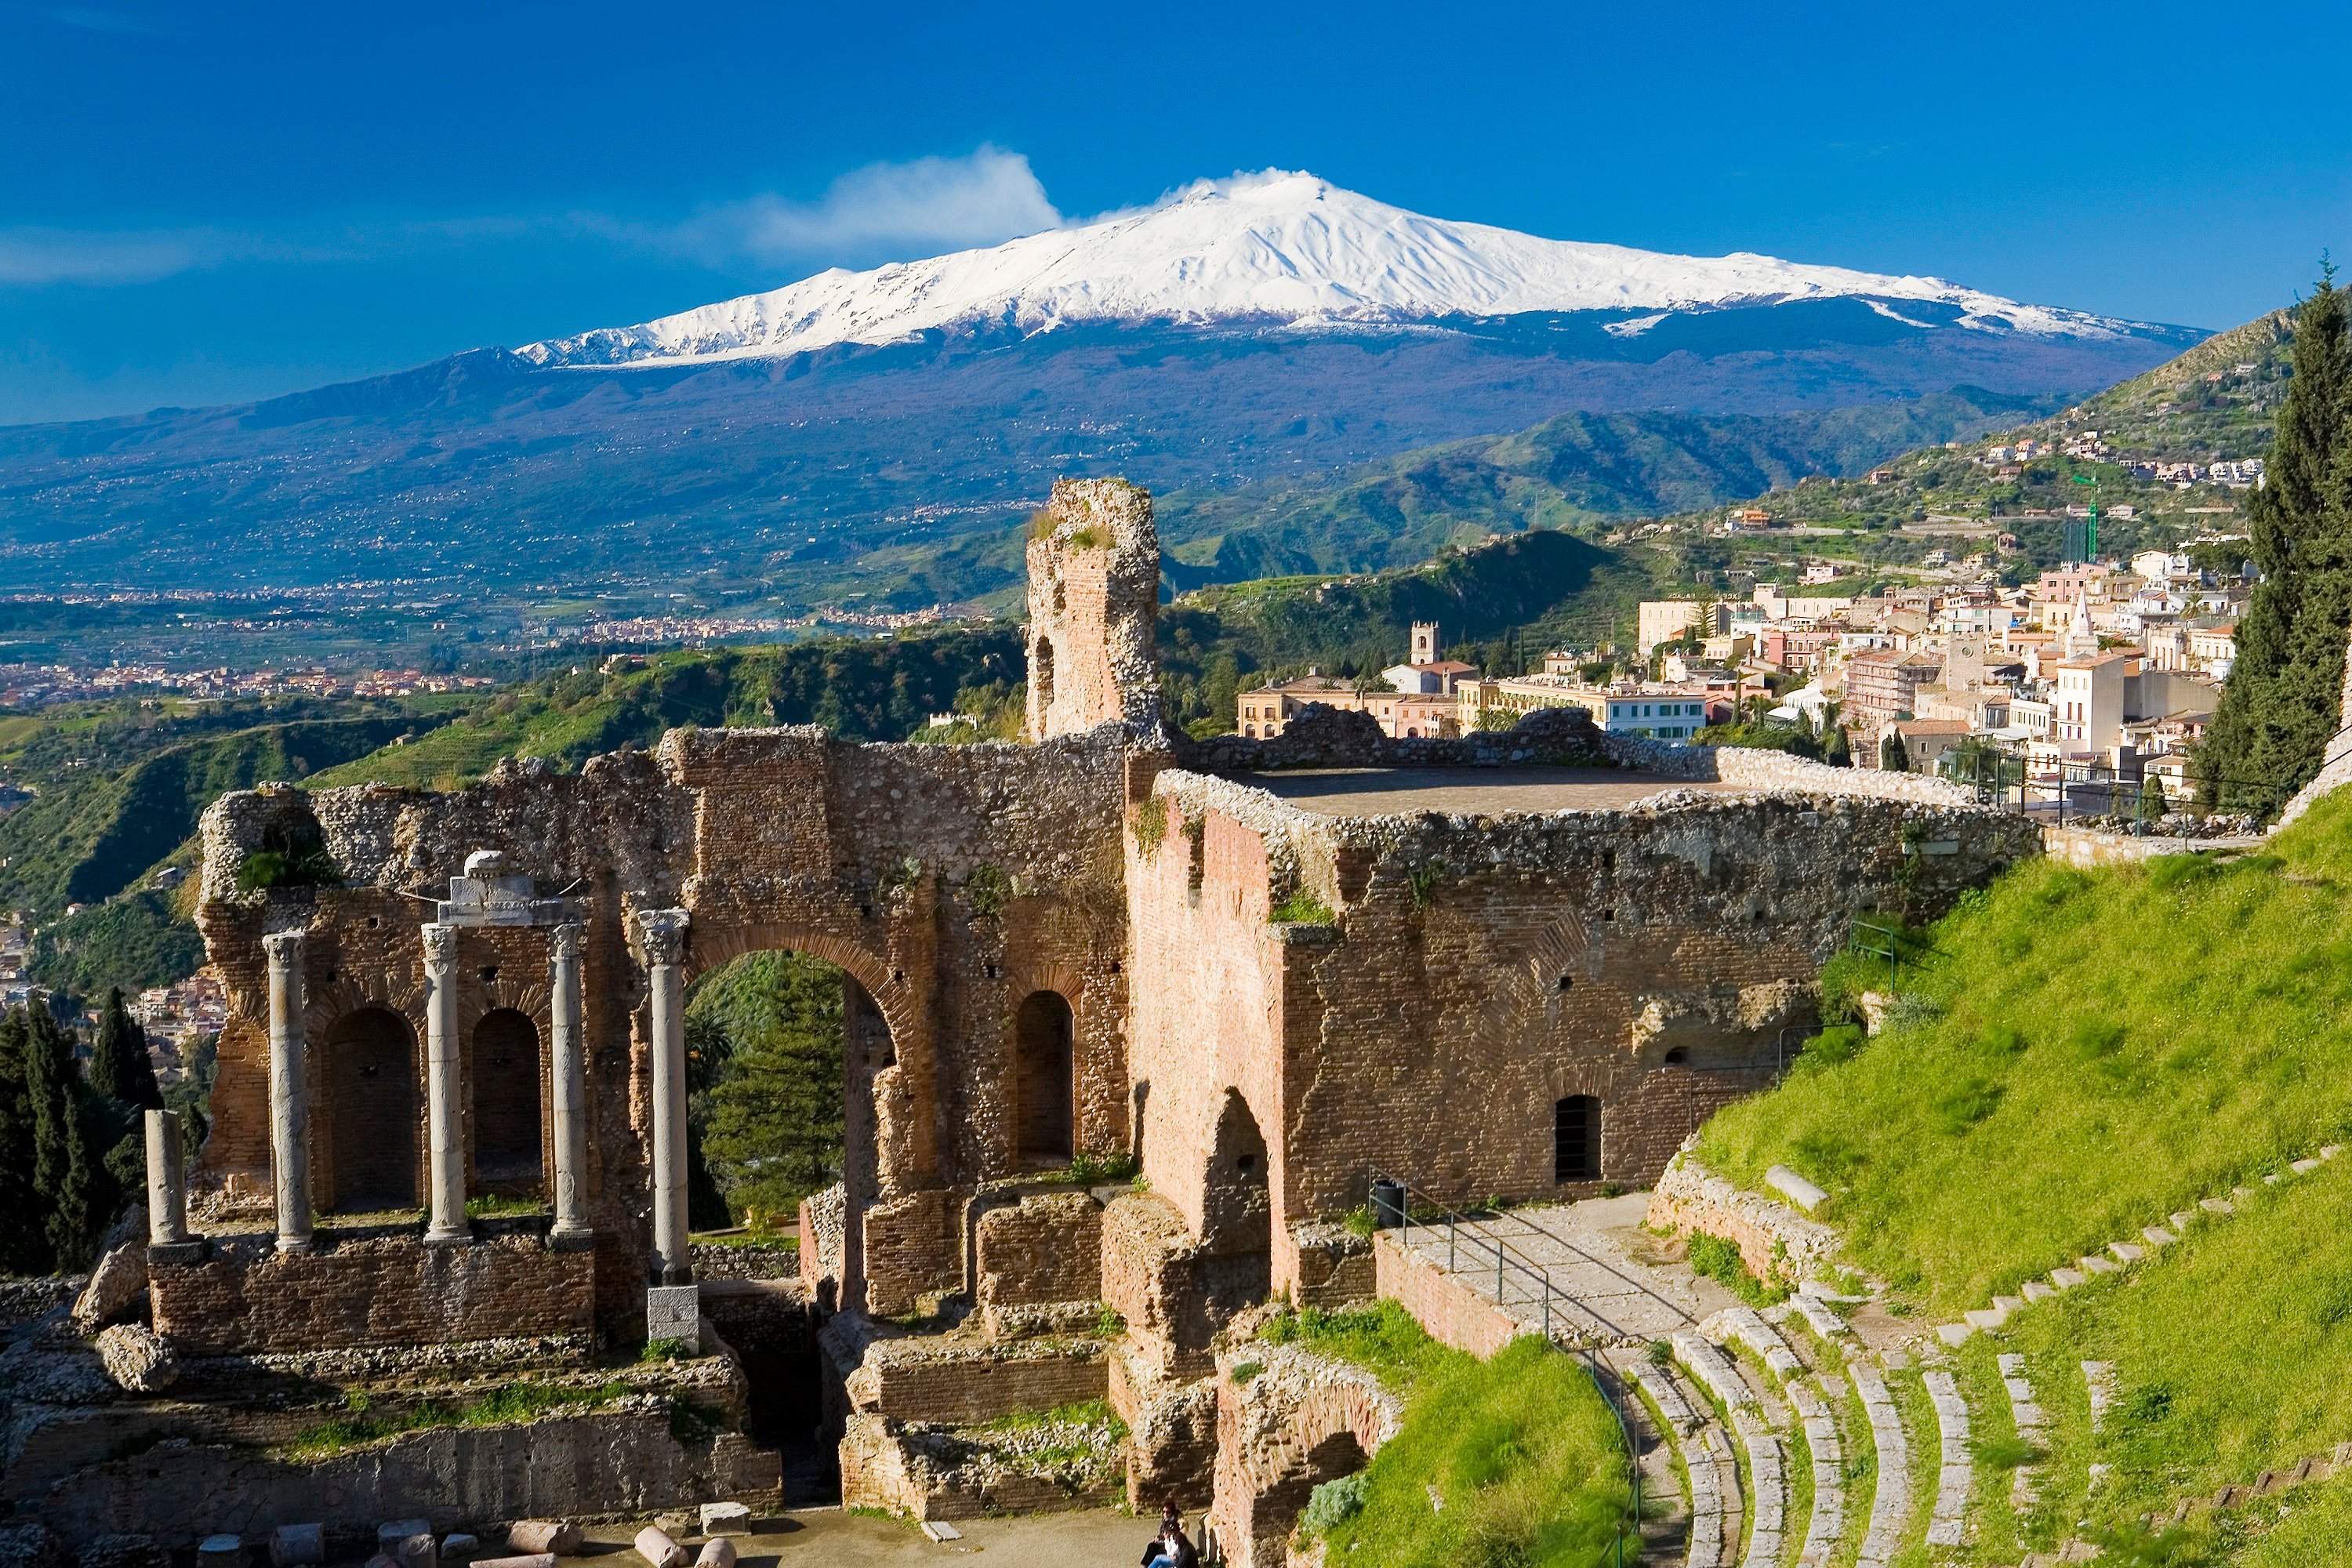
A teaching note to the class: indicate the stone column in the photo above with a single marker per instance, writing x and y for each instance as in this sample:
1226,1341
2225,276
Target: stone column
445,1116
167,1192
664,932
569,1092
289,1094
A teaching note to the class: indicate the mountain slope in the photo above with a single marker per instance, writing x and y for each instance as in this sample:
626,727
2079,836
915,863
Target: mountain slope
1278,247
1572,471
707,451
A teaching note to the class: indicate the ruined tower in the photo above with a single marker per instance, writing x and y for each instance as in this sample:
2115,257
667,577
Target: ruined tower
1094,602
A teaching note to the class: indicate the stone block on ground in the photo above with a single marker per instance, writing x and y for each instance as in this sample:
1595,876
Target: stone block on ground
1955,1334
717,1552
531,1560
2067,1278
298,1546
137,1358
2126,1252
2156,1236
675,1312
114,1286
658,1550
457,1544
393,1531
221,1551
725,1519
419,1550
556,1537
2094,1263
2216,1206
2036,1291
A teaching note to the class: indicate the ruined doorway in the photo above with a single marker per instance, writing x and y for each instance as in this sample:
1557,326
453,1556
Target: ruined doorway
1237,1212
1576,1138
507,1100
371,1070
1044,1043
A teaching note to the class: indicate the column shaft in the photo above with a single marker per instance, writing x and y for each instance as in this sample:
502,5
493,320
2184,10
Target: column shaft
569,1092
290,1095
444,1112
167,1188
665,942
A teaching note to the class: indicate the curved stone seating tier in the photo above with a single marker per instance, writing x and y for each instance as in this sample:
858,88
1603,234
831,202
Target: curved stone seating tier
1890,1503
1948,1526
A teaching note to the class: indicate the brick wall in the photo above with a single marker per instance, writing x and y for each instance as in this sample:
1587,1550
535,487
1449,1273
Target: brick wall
1453,1313
247,1299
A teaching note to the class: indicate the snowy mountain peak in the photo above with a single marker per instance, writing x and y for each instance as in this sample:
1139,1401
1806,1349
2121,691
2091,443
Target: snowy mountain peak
1277,250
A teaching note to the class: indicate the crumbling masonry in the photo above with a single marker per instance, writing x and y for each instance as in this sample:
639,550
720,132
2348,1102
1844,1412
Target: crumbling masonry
1529,968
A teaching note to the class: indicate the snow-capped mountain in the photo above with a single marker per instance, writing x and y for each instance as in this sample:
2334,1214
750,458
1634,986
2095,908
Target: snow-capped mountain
1283,250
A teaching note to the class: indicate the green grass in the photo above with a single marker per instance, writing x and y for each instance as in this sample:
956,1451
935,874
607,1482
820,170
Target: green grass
1383,1338
2230,1349
1523,1450
516,1402
1721,1261
2085,1052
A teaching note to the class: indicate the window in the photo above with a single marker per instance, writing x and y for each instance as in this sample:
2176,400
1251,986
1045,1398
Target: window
1576,1138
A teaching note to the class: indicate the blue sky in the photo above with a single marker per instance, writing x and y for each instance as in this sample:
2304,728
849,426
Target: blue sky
204,202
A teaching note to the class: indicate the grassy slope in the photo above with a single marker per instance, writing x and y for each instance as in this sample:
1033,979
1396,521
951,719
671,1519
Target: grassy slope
1523,1449
2098,1050
2111,1047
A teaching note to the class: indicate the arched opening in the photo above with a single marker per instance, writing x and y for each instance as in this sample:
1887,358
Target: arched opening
1041,673
372,1071
1236,1214
506,1101
1576,1138
1044,1040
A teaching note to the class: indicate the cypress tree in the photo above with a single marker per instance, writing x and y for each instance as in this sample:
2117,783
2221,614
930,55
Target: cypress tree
2282,701
120,1068
24,1237
70,1182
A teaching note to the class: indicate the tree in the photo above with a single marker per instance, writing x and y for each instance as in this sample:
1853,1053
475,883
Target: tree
2152,803
1894,757
771,1120
24,1242
2283,699
71,1126
120,1068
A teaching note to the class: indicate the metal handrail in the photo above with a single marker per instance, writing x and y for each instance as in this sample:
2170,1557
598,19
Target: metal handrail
1507,1256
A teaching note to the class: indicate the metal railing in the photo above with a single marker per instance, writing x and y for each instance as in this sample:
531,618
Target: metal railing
1509,1261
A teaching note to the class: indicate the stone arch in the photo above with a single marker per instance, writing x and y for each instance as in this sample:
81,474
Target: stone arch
375,1076
1045,1080
709,946
506,1120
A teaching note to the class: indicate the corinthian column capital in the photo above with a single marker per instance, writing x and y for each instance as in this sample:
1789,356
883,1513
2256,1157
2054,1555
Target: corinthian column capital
663,932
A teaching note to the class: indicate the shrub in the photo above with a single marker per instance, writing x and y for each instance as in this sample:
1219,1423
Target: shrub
1302,908
1334,1503
289,856
1150,826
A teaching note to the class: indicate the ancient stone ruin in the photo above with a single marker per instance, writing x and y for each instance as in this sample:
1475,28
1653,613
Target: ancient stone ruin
450,1124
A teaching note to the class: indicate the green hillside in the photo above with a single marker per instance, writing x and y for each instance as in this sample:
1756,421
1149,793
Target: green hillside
2199,408
1578,470
2077,1054
93,833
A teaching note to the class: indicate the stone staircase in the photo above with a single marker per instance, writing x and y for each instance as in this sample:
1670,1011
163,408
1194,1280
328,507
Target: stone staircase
1794,1444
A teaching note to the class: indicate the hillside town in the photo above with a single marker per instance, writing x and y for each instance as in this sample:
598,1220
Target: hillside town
2072,691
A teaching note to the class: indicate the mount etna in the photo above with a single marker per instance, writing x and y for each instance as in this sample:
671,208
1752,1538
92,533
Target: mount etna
876,434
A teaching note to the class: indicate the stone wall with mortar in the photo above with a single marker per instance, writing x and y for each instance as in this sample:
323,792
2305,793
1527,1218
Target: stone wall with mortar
1774,1240
1446,1305
1094,606
1477,969
950,883
246,1298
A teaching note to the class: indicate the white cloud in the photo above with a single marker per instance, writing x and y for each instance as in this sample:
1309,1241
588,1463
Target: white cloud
913,209
30,257
917,208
